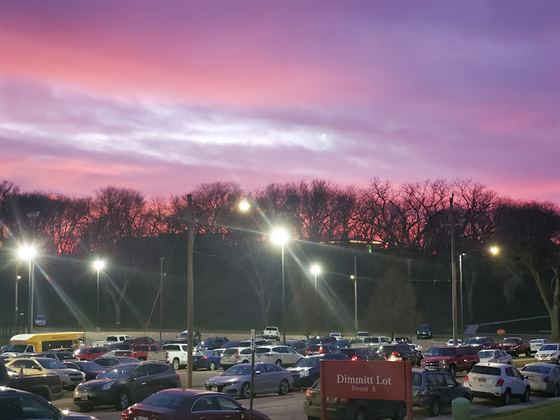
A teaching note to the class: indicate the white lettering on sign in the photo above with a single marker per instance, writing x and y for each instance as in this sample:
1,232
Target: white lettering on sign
362,380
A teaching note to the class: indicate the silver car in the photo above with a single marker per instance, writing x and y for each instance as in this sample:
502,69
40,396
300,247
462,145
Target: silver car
543,377
236,381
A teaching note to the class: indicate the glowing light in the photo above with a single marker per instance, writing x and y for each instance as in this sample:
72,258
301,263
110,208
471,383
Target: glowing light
494,250
27,252
244,206
98,265
280,236
315,269
352,277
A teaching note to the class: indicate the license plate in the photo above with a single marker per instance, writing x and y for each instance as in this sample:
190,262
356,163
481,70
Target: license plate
214,388
481,379
84,397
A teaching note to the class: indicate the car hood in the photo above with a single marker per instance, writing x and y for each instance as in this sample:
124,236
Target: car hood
509,345
95,383
221,380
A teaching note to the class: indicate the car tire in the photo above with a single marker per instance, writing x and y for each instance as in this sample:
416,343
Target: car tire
245,392
526,395
452,370
361,414
434,408
123,400
212,366
284,387
278,363
176,364
506,399
400,414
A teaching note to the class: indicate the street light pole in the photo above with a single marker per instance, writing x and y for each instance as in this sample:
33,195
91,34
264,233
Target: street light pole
31,268
462,312
283,299
97,307
453,274
161,261
190,289
356,293
18,277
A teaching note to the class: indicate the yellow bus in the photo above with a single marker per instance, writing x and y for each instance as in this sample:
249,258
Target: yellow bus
34,343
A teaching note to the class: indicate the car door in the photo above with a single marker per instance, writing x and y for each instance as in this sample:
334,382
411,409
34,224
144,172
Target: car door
513,381
157,379
453,389
292,356
520,381
140,385
230,409
206,408
33,408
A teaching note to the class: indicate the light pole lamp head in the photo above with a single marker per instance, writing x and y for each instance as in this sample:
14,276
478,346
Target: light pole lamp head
494,250
280,236
315,269
99,265
27,252
244,206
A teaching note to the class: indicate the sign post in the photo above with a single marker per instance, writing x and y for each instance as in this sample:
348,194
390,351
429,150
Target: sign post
366,380
252,372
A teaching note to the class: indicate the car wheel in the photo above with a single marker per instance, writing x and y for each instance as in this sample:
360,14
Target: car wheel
506,399
452,370
123,400
360,414
434,408
278,363
176,364
400,414
245,392
284,387
526,395
212,366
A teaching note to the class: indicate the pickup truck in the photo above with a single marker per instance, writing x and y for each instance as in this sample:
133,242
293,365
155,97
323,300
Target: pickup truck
47,386
174,353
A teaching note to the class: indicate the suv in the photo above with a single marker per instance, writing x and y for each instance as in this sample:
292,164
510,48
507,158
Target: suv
549,352
423,331
336,335
376,341
234,355
536,343
90,353
515,346
497,381
432,389
279,355
452,359
271,332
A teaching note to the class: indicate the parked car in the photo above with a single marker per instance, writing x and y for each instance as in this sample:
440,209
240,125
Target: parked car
279,355
494,356
111,340
481,343
271,332
175,354
362,334
343,343
549,352
536,343
452,359
59,355
306,371
236,381
321,340
336,335
125,384
401,340
90,369
186,404
297,345
515,346
497,381
433,389
451,342
344,409
235,355
231,343
543,377
376,341
184,336
141,351
208,359
424,331
112,361
47,385
90,353
320,349
398,352
18,404
40,365
361,354
212,343
258,342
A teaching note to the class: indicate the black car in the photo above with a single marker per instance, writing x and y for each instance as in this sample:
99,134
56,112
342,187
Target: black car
424,331
110,361
17,404
400,351
125,384
433,389
212,343
90,369
343,343
361,353
297,345
306,370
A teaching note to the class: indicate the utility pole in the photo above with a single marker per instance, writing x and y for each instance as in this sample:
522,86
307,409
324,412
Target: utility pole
356,293
161,261
453,274
409,297
190,289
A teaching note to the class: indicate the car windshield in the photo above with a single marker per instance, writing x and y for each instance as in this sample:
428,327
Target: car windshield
16,348
165,400
117,373
90,367
537,369
51,364
486,354
307,362
441,351
242,369
549,347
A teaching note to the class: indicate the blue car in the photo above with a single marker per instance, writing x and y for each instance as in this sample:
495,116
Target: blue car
207,359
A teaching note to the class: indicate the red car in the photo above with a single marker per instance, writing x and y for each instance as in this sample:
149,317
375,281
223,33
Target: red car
140,351
190,404
515,346
90,353
452,359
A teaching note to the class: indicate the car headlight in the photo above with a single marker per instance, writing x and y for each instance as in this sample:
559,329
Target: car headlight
233,382
107,386
304,373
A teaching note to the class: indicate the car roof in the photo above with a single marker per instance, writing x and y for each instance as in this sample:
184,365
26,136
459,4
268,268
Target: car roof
552,365
494,364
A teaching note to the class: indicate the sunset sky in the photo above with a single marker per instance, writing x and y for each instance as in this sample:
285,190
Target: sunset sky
163,95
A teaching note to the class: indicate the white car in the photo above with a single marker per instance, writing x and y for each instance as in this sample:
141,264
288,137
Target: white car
362,334
234,355
451,343
374,342
279,355
494,356
549,352
497,380
336,335
536,343
271,332
416,347
175,353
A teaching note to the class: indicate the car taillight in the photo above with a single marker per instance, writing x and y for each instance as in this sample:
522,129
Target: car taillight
546,379
395,354
466,380
354,358
500,382
205,357
322,350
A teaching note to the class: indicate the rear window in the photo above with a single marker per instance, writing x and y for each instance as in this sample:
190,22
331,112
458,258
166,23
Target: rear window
486,370
548,347
171,347
537,369
165,400
230,351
